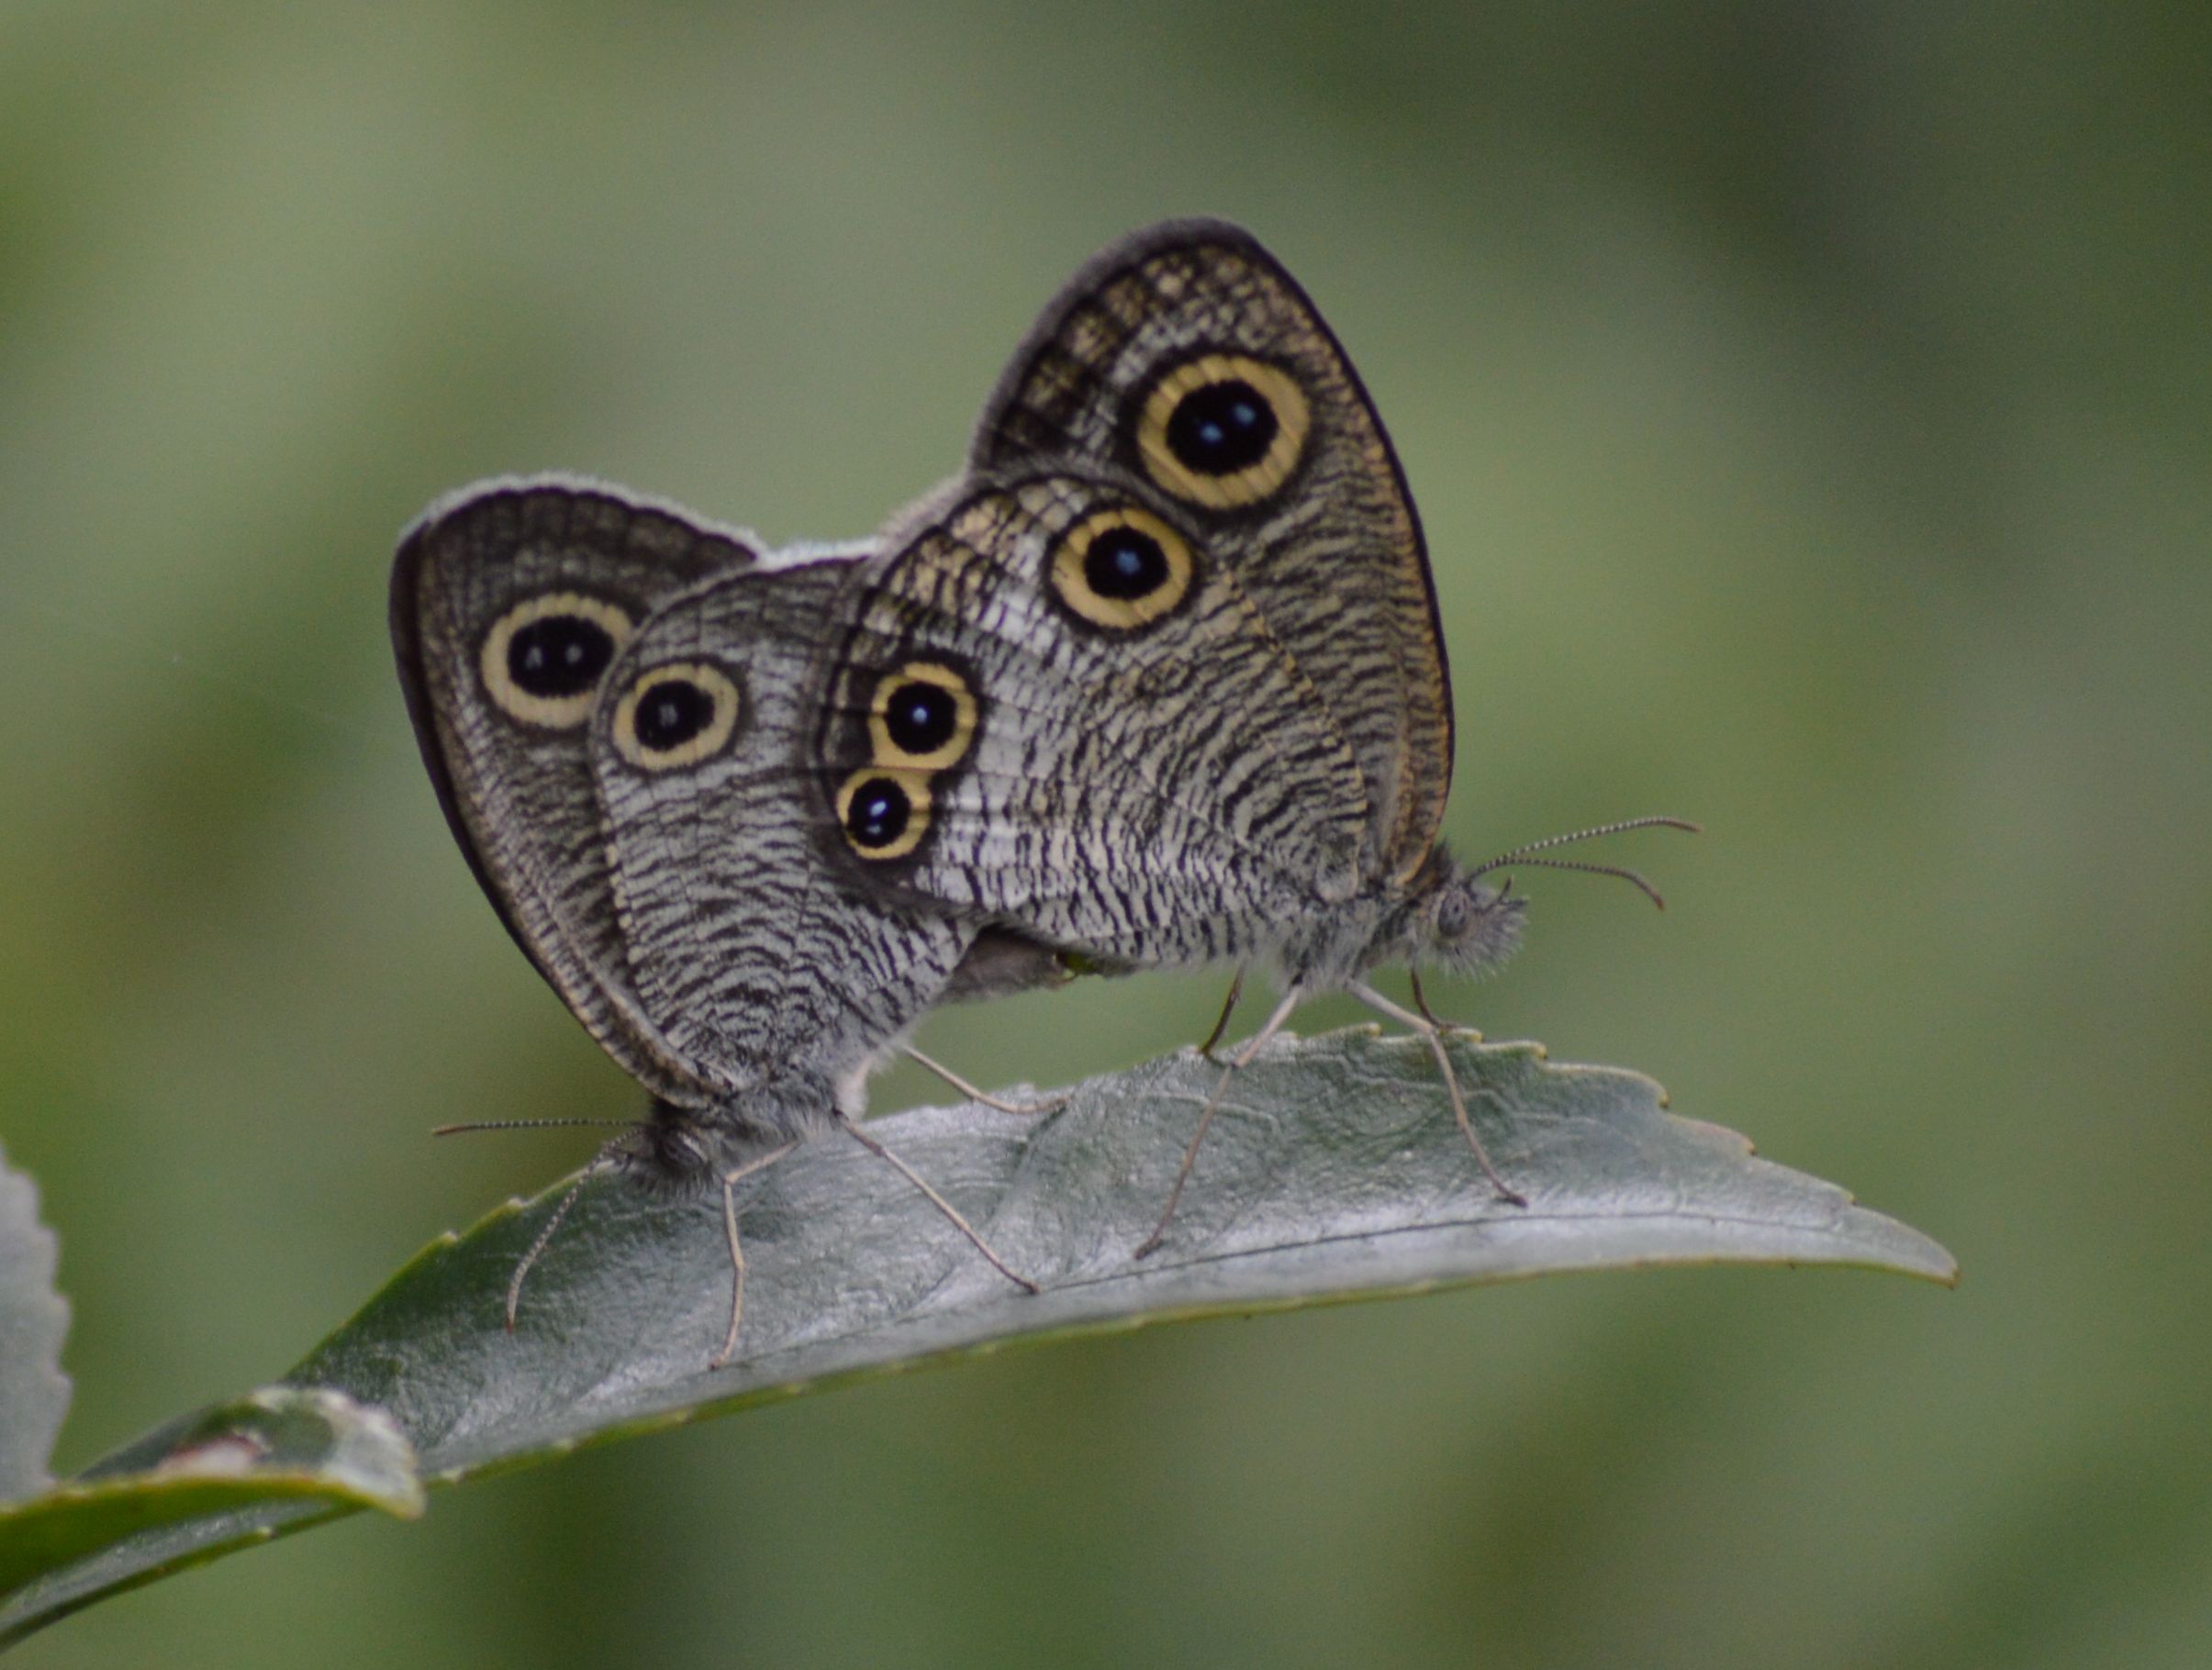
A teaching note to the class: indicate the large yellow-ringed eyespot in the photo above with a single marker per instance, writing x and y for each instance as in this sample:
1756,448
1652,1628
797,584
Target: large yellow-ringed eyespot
676,715
924,718
543,659
1122,569
1224,431
883,812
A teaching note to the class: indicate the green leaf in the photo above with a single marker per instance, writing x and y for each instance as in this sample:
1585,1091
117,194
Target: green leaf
34,1320
221,1479
1334,1172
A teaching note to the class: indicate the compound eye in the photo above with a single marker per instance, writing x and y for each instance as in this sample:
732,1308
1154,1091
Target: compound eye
1224,431
543,660
676,715
884,814
1455,914
923,717
1122,569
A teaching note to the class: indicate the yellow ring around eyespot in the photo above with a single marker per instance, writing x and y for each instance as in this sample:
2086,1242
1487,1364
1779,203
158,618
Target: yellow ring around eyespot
916,787
1293,423
953,748
556,712
706,744
1073,587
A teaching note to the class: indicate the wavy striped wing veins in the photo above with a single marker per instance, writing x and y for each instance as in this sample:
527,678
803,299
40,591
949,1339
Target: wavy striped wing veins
1054,709
744,935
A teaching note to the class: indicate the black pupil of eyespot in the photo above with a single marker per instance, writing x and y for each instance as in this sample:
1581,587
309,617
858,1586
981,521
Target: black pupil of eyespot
1126,563
558,655
921,718
1222,427
876,814
671,713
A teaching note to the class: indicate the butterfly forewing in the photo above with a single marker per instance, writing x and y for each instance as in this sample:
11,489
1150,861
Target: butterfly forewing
1185,358
747,941
510,601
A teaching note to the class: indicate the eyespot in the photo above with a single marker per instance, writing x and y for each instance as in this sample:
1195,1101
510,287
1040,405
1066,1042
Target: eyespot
676,715
1223,430
924,718
884,814
542,661
1122,569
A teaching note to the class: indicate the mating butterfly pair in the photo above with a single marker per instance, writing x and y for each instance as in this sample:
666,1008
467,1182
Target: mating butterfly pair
1156,680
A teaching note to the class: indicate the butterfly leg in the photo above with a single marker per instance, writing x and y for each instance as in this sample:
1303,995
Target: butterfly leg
1421,1002
737,1257
1236,990
942,1204
1044,1104
1433,1034
1243,1058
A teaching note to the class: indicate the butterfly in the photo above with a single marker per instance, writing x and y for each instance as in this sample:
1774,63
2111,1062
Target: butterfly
1156,680
1160,680
606,692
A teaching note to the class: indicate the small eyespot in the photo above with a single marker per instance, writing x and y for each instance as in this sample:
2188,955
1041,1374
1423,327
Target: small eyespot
1125,565
670,714
924,718
1223,430
1122,569
920,717
676,715
885,814
542,661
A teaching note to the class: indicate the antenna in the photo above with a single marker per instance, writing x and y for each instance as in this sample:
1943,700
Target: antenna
446,1131
600,1161
1525,854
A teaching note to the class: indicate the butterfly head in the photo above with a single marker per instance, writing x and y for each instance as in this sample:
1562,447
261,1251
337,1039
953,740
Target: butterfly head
670,1152
1462,923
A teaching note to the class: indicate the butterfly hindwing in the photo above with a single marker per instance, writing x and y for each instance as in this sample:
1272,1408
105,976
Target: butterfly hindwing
1054,706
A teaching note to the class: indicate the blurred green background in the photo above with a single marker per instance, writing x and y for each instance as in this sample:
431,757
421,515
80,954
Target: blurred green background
1808,407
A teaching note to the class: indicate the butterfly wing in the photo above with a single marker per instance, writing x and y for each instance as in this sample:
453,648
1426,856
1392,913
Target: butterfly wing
1055,707
1185,359
511,600
748,942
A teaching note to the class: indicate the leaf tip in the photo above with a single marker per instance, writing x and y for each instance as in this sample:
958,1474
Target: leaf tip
34,1322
